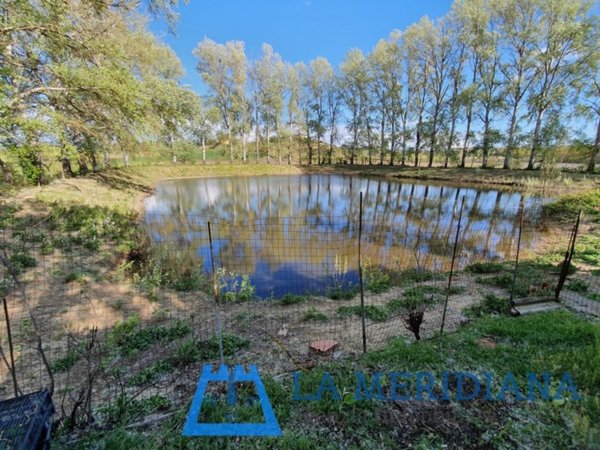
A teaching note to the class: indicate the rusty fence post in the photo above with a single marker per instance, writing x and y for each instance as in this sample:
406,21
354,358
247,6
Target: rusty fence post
564,271
10,348
360,276
511,300
462,205
216,295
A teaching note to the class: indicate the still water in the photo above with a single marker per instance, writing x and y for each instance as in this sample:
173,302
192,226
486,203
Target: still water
300,234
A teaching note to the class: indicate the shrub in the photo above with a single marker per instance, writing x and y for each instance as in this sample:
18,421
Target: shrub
372,312
376,279
292,299
485,267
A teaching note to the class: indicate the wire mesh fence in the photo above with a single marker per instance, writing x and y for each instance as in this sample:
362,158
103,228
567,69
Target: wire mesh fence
111,330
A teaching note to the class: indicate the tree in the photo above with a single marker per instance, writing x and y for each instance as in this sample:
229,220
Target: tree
473,17
77,76
268,77
438,51
293,106
517,21
413,43
333,102
321,73
560,50
385,64
355,82
223,69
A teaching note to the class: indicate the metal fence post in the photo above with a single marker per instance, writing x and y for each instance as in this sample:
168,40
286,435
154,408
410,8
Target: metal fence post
564,271
216,295
10,348
462,205
511,301
360,276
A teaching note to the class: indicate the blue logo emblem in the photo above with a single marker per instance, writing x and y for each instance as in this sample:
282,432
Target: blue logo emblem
237,374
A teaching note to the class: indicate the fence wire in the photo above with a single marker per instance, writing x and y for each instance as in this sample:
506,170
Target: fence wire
107,327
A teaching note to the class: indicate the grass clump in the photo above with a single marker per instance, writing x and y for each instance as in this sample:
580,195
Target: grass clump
313,314
292,299
578,286
372,312
128,337
376,279
66,362
491,304
485,267
74,277
415,275
342,292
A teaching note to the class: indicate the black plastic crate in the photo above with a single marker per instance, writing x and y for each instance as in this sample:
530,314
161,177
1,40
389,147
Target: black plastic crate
26,422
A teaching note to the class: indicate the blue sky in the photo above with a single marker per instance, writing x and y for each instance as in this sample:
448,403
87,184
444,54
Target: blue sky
299,30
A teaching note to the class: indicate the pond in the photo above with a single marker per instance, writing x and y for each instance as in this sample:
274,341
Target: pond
299,234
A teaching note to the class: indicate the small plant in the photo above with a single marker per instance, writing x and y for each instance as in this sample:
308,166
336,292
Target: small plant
342,293
485,267
578,286
292,299
233,288
376,278
75,276
490,304
66,362
416,275
22,261
313,314
375,313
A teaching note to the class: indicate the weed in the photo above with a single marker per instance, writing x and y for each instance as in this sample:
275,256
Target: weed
125,409
292,299
22,261
151,373
74,276
66,362
342,293
376,278
578,286
485,267
489,305
233,288
375,313
313,314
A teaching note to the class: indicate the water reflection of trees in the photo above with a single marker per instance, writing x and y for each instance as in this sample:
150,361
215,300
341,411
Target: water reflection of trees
307,220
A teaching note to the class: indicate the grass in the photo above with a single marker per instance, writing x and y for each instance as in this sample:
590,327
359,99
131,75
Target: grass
491,304
558,341
313,314
372,312
485,267
292,299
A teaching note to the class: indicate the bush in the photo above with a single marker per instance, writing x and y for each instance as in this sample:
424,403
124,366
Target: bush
372,312
292,299
315,315
485,267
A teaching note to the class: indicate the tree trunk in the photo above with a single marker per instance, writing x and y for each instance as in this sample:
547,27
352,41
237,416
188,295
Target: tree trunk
66,167
510,144
95,167
418,143
278,144
83,168
403,159
268,144
382,142
535,145
203,151
257,137
244,152
309,145
595,150
230,145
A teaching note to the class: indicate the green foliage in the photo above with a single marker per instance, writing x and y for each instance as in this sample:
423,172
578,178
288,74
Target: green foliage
578,286
74,276
587,249
415,275
128,337
234,289
22,261
568,206
66,362
490,304
485,267
375,313
376,279
342,293
125,409
313,314
292,299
